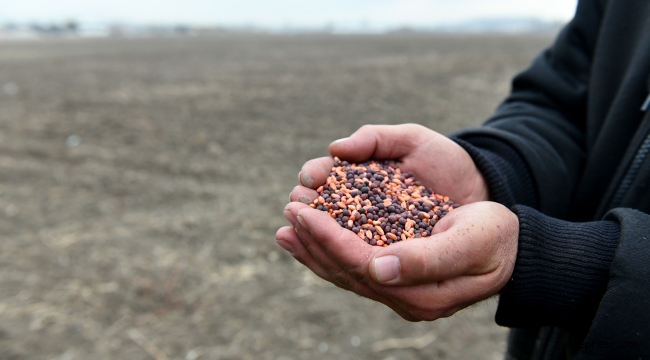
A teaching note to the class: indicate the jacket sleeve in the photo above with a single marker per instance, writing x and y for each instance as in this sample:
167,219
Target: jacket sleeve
532,153
544,118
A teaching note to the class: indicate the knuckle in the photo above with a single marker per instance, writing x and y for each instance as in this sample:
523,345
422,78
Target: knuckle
357,272
427,314
341,278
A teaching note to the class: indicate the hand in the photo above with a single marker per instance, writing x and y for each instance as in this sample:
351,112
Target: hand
469,257
439,163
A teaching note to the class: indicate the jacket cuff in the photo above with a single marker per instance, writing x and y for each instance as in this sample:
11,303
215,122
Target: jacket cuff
504,170
561,271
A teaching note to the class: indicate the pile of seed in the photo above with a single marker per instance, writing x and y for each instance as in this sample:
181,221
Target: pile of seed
379,203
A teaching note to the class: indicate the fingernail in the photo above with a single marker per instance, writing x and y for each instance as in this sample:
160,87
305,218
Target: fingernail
290,218
301,221
285,245
305,179
305,199
340,140
387,268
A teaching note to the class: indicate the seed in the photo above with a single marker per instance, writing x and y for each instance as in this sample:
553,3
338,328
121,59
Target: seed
380,203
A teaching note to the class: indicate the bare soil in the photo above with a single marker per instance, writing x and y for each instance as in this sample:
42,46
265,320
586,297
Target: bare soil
142,182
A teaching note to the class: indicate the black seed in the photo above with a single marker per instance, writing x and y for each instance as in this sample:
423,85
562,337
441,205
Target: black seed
364,190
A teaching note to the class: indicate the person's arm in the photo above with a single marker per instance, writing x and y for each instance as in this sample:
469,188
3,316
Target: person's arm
540,128
532,152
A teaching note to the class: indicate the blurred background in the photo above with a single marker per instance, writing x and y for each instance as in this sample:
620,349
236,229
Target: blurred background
147,149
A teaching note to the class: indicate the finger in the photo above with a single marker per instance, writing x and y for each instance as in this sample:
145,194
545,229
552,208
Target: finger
340,245
313,242
381,142
303,194
466,246
314,172
423,260
338,276
287,238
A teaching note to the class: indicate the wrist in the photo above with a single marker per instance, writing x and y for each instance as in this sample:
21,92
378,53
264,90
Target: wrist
561,271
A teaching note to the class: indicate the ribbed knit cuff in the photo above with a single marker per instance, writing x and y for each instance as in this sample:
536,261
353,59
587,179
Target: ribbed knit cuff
504,170
561,271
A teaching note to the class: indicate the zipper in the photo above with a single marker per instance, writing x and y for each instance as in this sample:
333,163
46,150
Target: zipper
633,170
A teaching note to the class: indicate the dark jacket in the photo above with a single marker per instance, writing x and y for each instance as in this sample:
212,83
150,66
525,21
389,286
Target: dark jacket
568,152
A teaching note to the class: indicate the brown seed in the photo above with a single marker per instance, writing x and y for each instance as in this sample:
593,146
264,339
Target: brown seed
392,236
368,234
380,242
379,229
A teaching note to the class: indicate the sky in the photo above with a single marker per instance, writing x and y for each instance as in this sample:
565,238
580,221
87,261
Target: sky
278,13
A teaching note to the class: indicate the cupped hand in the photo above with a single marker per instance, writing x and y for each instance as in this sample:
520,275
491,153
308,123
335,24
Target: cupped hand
437,162
469,257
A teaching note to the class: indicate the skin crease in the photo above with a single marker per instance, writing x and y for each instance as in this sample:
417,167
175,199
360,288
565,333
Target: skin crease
469,257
